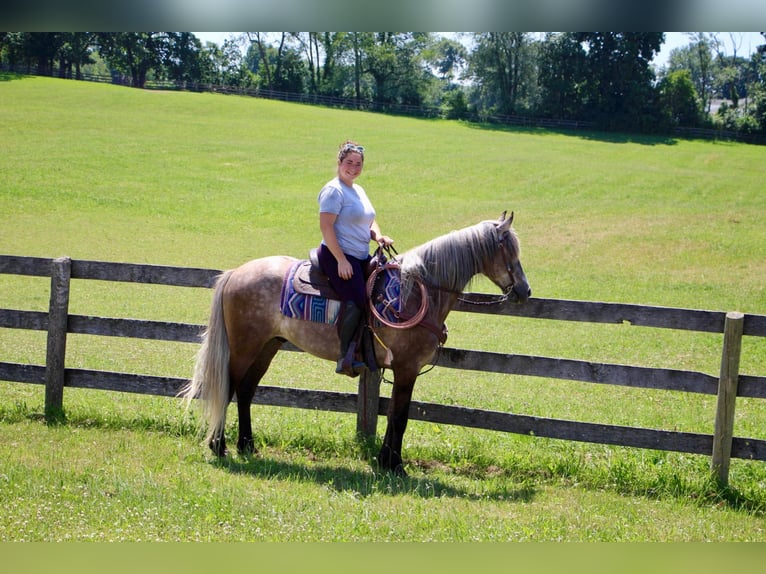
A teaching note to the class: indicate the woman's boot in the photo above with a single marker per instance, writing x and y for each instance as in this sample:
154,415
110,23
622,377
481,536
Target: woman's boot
347,329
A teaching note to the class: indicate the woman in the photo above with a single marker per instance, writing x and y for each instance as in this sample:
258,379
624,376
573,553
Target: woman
347,222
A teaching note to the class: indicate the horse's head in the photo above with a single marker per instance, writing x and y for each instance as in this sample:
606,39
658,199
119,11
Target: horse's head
504,268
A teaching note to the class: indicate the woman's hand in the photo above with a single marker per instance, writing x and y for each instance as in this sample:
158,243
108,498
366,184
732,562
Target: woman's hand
377,236
345,271
384,241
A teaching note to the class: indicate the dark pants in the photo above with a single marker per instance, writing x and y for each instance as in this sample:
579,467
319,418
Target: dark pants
353,289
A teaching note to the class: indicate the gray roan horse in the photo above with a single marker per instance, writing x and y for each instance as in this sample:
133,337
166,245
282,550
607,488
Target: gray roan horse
247,328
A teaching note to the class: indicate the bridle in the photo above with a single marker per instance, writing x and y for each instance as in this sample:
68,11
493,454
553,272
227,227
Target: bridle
507,260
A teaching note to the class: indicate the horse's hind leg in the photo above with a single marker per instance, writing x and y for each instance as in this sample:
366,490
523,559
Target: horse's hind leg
246,391
217,444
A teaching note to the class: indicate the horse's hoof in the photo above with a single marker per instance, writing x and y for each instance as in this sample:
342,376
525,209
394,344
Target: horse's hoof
246,447
391,461
219,448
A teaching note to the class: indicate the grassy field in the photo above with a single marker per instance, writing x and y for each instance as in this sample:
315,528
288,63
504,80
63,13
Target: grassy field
200,180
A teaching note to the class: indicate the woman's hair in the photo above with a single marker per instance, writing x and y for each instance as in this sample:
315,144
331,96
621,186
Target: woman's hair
347,147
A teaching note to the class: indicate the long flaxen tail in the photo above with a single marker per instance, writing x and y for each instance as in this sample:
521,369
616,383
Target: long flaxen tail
210,382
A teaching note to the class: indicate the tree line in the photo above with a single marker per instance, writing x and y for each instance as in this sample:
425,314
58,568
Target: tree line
604,78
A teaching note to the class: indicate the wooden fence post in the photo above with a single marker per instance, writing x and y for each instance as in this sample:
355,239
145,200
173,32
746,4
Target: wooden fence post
367,403
58,311
727,394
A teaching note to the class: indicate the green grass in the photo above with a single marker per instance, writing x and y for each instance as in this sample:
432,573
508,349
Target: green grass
200,180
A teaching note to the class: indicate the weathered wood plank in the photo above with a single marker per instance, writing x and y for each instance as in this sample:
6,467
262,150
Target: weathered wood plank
57,333
748,448
17,319
751,386
568,369
137,329
755,325
22,373
596,312
138,273
306,399
124,382
367,404
171,386
727,396
561,429
17,265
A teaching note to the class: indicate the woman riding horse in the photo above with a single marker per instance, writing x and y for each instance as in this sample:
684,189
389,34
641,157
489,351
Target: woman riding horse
247,327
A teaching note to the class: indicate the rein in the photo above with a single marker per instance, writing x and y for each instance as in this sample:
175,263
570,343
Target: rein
382,265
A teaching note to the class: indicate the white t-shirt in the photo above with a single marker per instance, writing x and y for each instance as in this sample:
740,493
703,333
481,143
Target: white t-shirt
355,215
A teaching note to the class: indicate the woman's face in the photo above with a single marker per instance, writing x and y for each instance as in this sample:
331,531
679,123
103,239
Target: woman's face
350,167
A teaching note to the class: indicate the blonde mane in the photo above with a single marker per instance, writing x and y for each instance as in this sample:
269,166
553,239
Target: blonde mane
451,261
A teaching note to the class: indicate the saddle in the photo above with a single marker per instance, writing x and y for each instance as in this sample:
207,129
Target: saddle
308,279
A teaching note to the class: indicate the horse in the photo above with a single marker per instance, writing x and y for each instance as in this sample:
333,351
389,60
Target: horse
246,327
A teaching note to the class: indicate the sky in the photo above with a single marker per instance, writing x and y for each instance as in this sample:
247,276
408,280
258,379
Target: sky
748,41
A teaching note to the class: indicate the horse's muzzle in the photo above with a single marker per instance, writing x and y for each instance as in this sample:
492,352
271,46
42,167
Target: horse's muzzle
519,292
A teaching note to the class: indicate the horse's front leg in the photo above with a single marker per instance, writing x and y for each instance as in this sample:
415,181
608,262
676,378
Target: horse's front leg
390,455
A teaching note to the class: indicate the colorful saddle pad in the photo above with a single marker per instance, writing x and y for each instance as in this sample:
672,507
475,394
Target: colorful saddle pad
386,295
306,306
320,309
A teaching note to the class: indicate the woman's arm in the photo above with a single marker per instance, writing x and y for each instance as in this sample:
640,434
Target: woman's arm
377,236
327,227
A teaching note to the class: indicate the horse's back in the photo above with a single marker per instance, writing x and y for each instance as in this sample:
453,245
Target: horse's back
259,273
252,290
253,314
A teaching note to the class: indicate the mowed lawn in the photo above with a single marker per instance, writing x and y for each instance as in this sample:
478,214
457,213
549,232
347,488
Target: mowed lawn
201,180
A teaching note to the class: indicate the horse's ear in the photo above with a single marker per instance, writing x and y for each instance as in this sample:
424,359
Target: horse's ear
505,224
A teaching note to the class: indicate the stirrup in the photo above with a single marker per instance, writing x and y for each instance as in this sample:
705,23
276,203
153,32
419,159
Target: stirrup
349,368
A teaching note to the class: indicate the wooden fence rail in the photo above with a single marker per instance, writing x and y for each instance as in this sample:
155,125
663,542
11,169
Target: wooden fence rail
367,402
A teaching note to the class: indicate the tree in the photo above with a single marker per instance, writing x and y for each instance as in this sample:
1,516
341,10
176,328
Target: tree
277,68
75,51
394,61
316,46
502,65
134,54
183,57
620,85
448,57
35,50
562,77
702,54
262,64
14,49
759,85
678,101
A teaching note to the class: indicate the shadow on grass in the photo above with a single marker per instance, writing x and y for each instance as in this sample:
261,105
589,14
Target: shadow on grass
8,76
589,134
488,483
520,484
364,483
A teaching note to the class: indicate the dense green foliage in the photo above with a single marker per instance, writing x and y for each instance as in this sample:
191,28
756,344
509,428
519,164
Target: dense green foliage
602,77
200,180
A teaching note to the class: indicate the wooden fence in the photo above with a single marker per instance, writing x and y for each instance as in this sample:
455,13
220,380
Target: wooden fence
367,402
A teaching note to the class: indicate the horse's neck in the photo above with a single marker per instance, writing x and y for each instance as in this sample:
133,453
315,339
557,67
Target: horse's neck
444,302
